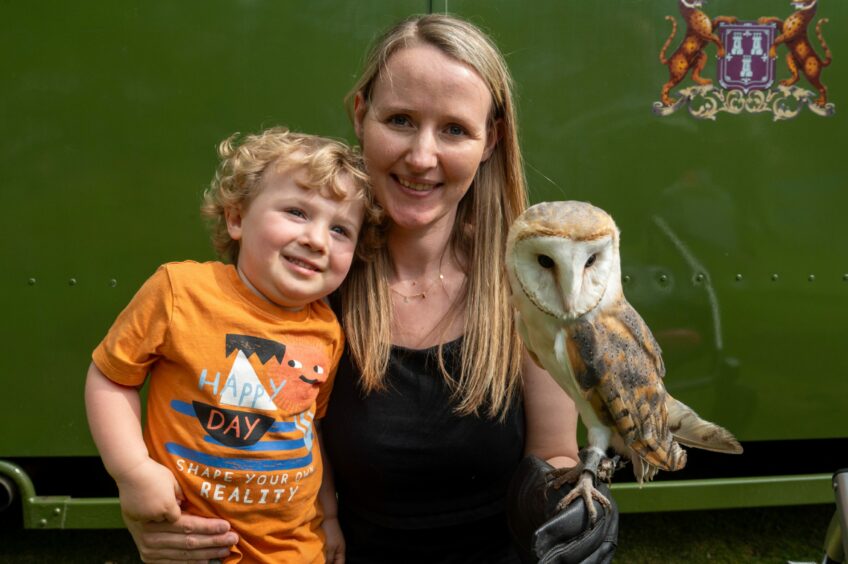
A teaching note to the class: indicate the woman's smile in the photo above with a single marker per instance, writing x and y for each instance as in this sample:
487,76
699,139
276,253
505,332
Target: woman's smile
427,130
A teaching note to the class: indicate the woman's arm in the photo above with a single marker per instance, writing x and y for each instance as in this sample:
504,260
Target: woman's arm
551,417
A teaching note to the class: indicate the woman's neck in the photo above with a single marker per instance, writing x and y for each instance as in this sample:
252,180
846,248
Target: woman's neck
417,255
426,280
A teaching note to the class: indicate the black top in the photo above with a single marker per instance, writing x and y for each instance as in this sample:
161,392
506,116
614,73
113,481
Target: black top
415,480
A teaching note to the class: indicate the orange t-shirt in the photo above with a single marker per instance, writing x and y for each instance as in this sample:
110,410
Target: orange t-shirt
235,385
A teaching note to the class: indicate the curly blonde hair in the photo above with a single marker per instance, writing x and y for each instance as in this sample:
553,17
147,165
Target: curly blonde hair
244,159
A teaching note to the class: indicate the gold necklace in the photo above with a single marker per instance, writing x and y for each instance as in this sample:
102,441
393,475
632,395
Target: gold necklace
422,294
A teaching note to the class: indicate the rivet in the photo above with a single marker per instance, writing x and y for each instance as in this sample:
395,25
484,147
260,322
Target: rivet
699,277
57,511
845,277
31,281
72,282
113,282
811,277
42,522
738,277
626,278
663,278
774,277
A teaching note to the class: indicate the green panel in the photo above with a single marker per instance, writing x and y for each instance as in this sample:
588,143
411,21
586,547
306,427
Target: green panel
728,493
741,195
111,113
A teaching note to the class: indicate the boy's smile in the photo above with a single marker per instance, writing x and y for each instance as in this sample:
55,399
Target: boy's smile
295,244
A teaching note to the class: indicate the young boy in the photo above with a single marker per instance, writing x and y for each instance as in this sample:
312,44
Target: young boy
241,357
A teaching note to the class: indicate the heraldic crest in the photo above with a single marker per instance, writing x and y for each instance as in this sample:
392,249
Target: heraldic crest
747,52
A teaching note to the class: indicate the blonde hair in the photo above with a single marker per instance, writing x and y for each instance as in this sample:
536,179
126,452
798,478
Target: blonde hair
244,159
489,378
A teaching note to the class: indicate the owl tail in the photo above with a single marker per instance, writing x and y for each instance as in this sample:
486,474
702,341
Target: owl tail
692,431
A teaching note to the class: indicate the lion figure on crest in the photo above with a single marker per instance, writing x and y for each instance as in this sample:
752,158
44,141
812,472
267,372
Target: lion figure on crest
690,54
801,56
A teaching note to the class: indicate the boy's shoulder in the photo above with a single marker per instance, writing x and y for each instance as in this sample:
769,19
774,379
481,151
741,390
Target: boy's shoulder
187,267
194,269
190,274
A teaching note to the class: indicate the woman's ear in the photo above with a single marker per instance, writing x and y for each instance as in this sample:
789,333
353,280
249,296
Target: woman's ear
493,135
360,108
233,216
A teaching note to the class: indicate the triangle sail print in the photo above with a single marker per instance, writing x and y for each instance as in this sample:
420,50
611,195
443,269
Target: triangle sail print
243,388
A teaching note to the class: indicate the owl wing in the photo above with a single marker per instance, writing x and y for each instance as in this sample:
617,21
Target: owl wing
618,365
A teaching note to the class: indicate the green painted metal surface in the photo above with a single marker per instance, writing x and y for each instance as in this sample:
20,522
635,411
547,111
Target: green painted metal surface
728,493
111,112
741,195
60,512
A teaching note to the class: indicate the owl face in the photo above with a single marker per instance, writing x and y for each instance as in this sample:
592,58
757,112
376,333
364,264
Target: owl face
563,258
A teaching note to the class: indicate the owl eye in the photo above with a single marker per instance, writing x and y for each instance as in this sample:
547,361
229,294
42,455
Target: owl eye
545,261
591,260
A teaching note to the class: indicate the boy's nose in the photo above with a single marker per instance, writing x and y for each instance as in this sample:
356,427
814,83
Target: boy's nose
316,237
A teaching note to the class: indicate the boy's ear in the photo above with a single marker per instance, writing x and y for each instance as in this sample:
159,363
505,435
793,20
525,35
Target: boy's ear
360,108
233,216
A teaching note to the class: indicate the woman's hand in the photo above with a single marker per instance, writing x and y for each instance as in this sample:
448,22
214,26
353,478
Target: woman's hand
188,539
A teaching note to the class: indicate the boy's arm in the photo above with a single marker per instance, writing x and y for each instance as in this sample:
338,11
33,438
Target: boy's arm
334,547
148,490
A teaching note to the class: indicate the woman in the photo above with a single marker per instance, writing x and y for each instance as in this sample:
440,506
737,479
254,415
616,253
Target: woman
424,457
436,402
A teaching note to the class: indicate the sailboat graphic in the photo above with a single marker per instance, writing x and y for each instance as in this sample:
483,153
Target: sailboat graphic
242,430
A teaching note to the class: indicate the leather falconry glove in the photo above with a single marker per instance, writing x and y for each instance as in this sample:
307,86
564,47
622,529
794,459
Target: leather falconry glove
543,535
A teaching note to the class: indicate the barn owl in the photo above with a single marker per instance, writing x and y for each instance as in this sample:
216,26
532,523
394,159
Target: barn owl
565,274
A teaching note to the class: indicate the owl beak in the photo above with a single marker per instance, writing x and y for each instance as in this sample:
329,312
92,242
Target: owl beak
569,287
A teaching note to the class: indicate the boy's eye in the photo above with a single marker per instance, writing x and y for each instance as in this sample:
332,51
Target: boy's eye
340,230
295,212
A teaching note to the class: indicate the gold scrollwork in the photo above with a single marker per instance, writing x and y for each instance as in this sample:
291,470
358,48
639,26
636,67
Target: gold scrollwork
706,102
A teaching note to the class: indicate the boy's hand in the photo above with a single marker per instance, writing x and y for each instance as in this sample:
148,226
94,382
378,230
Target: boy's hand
149,492
334,547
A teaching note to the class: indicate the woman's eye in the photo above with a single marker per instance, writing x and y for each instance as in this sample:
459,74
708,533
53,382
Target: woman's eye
399,120
591,260
455,130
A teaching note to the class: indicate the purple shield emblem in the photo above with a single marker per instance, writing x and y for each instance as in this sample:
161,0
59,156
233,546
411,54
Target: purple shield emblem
746,64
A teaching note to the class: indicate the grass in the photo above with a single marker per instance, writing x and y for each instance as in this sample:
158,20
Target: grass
759,535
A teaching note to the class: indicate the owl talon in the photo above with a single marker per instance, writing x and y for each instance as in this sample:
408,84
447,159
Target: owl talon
607,467
558,477
586,489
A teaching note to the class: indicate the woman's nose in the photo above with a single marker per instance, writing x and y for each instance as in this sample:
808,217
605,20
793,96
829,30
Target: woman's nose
423,154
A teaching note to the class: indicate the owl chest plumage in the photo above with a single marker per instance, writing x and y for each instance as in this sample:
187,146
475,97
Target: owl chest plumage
612,368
